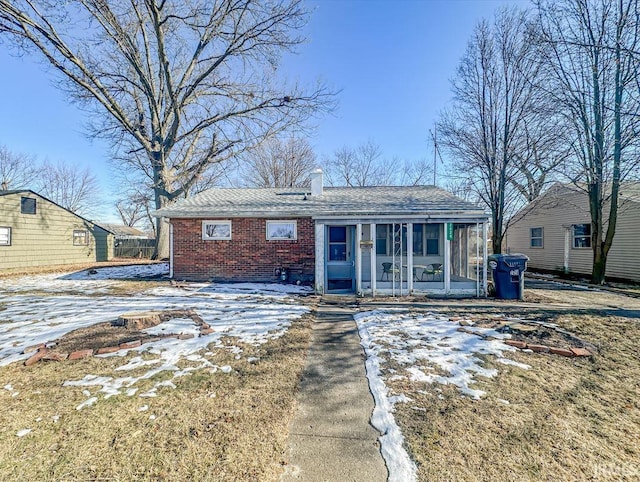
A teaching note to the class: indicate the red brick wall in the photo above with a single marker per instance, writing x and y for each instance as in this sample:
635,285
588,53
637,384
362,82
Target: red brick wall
248,256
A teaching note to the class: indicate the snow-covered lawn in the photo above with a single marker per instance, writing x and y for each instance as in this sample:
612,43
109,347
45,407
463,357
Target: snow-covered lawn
249,313
429,348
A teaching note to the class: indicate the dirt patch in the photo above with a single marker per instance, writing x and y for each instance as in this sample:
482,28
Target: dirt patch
534,332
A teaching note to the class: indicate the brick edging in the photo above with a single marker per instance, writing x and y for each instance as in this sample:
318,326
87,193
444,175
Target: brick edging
43,351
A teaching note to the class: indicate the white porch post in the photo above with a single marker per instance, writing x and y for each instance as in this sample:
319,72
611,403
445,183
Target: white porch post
319,251
447,262
477,260
372,235
485,255
358,259
409,258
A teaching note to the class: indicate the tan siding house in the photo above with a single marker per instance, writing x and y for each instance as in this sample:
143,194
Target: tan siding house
37,232
554,231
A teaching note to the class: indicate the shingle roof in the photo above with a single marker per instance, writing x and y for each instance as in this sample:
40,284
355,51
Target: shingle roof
335,201
122,230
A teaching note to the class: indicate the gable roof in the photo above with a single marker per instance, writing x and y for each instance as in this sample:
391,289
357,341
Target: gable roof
29,191
335,201
555,196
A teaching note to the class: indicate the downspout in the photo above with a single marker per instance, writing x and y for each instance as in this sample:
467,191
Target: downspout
170,250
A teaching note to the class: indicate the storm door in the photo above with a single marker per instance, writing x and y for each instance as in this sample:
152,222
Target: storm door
340,256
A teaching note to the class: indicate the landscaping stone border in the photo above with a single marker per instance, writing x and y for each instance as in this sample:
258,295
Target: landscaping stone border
47,352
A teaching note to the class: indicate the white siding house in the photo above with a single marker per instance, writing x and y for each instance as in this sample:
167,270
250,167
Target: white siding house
554,232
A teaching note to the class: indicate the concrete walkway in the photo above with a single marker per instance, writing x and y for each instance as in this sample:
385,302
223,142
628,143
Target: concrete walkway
330,437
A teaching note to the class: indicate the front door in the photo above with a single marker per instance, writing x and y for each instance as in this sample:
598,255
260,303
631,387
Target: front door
340,259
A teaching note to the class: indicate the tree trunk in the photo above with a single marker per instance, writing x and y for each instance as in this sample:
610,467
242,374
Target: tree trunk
599,266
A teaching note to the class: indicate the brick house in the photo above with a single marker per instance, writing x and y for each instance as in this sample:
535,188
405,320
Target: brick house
367,240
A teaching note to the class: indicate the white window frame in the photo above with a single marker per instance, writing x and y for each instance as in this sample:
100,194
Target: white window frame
532,237
577,236
86,237
207,237
8,232
293,224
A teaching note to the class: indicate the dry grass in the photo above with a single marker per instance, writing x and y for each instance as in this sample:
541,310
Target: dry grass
568,419
238,434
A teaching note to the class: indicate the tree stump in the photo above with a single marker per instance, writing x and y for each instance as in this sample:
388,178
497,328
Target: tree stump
136,321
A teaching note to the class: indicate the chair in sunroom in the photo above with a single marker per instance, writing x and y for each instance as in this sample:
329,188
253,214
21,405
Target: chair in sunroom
389,269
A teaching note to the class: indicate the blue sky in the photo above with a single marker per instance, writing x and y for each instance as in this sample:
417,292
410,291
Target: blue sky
391,60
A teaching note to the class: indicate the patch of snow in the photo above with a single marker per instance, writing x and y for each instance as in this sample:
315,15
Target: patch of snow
8,387
506,402
87,403
252,313
152,417
176,326
23,432
420,343
253,359
144,408
399,464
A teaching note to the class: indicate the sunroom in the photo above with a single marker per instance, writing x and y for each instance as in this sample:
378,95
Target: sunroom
381,257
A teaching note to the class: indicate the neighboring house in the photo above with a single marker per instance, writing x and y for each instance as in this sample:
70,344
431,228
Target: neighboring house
35,231
352,239
121,231
555,232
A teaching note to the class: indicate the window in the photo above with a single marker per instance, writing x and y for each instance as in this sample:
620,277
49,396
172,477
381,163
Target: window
80,237
432,237
536,237
582,235
426,239
216,230
382,238
277,230
5,236
337,243
388,236
27,205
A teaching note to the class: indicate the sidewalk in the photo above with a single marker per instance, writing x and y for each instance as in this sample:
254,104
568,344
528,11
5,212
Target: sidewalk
330,437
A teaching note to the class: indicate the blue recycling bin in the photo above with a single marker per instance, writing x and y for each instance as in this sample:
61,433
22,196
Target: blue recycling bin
508,275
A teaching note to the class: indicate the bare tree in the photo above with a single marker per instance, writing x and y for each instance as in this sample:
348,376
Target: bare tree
495,93
17,170
413,173
592,48
131,209
359,166
279,163
186,83
69,186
